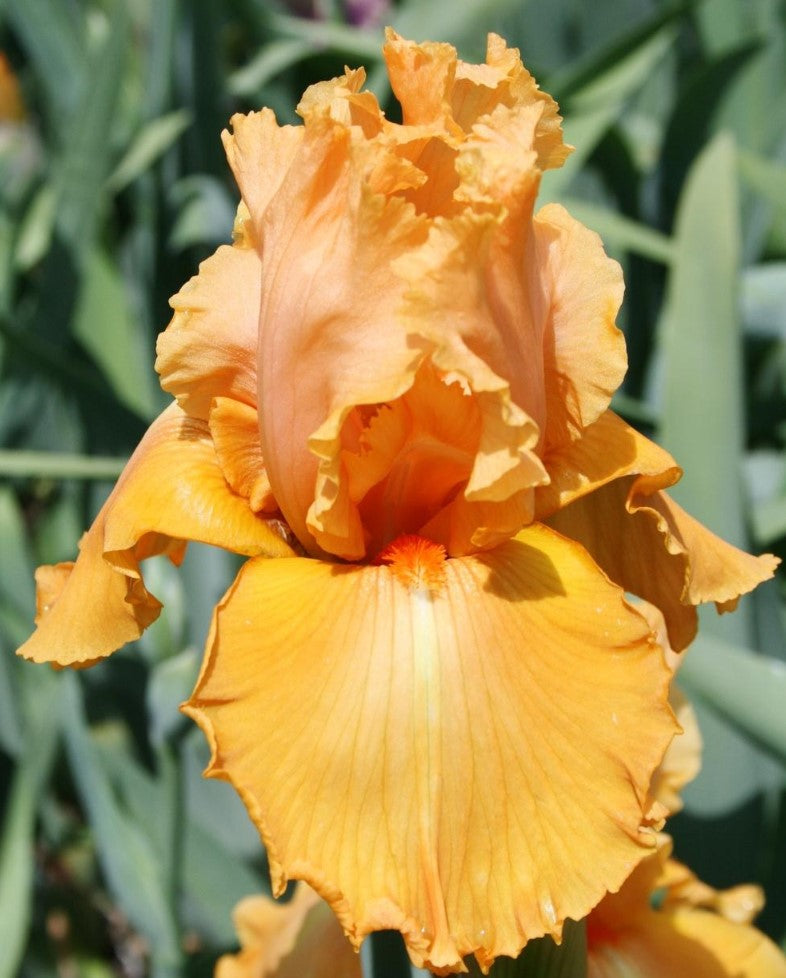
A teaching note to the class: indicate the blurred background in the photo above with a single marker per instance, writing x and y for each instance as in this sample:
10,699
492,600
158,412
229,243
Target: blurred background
116,857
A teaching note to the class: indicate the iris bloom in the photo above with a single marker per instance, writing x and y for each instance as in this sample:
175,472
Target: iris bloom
436,703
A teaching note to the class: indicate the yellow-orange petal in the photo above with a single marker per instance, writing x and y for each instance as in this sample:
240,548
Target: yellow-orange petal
466,763
651,547
234,427
209,348
171,490
627,936
739,904
298,939
682,760
715,571
606,450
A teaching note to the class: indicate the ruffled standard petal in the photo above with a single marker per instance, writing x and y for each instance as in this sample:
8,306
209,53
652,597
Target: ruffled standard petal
465,761
627,936
651,547
209,348
299,939
327,311
172,490
584,351
436,89
260,153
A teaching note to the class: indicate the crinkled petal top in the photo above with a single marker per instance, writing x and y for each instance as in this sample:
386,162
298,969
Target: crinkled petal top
424,337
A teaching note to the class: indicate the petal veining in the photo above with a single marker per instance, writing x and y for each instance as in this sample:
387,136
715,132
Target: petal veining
489,773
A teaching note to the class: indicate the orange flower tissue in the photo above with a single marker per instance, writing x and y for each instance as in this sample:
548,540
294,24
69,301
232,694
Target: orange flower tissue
435,701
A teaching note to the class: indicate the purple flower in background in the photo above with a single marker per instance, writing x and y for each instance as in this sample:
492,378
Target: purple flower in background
366,13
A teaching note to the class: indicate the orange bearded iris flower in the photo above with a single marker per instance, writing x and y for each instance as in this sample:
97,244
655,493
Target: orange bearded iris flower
436,703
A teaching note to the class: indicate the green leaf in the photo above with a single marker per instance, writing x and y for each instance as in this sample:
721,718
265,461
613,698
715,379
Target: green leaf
105,325
690,123
55,40
594,106
273,58
213,878
17,603
766,177
700,340
747,689
700,346
319,35
171,682
763,298
58,465
205,212
621,231
36,229
596,71
16,866
16,582
17,858
132,867
85,164
154,139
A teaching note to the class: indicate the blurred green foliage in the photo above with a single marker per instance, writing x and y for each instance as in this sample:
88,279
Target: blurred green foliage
115,856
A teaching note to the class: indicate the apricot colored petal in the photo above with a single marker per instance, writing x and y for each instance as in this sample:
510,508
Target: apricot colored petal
328,311
421,76
12,107
626,936
488,776
606,450
682,760
651,547
717,571
436,89
234,427
687,944
289,940
209,348
446,460
342,100
584,352
260,153
743,951
739,904
171,490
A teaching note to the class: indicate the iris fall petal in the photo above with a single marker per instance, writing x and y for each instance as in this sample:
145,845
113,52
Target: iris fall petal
171,490
363,720
651,547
